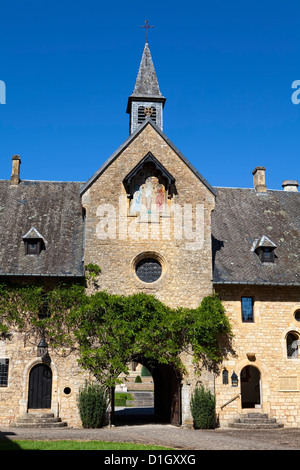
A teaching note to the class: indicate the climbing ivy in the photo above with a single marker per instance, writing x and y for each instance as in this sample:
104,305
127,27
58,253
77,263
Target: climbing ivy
108,331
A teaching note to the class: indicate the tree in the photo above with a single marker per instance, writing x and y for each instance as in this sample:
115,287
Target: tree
115,329
108,331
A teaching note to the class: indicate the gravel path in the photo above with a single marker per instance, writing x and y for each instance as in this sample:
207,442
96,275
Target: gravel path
169,436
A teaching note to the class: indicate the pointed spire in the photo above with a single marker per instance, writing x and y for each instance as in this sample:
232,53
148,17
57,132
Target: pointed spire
146,99
146,84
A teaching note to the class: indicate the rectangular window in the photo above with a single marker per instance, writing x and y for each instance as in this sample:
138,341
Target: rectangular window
247,309
3,372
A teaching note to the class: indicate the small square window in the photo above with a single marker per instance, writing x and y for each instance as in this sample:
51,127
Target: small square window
247,309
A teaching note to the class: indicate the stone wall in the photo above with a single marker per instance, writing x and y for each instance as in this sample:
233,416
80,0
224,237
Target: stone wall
262,344
66,380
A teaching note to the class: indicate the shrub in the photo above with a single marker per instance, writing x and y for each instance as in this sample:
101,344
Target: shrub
203,409
122,398
145,372
92,404
138,380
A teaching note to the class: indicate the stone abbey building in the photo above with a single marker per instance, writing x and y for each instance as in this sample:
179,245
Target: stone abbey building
153,224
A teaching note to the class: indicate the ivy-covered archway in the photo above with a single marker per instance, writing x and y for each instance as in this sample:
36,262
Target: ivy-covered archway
106,331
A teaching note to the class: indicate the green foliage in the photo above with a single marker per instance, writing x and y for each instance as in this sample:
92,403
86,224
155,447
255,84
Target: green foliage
145,372
121,398
23,309
203,409
207,324
14,444
92,404
108,331
92,271
138,379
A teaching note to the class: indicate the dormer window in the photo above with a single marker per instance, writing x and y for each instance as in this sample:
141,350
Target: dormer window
33,242
32,247
265,248
266,255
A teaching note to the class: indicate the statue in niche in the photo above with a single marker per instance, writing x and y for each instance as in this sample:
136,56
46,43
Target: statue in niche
135,205
160,197
148,188
148,197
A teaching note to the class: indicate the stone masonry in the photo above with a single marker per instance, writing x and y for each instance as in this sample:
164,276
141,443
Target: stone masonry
262,344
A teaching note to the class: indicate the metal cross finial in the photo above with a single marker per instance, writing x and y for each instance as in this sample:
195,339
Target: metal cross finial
147,26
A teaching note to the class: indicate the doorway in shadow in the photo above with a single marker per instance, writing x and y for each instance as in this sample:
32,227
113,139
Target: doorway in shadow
250,387
156,396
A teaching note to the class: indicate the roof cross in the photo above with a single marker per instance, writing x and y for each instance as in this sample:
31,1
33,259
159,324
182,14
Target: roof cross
146,26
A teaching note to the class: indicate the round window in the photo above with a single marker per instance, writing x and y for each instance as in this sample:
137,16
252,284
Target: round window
148,270
297,315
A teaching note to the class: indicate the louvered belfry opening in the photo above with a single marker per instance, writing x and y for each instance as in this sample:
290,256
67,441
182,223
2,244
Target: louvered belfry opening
144,112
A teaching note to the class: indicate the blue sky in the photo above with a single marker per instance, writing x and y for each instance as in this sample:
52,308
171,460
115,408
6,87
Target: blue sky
225,67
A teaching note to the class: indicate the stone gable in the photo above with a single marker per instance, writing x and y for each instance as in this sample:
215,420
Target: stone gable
187,274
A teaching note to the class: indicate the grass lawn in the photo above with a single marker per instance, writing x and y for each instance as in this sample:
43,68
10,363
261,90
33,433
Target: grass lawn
74,445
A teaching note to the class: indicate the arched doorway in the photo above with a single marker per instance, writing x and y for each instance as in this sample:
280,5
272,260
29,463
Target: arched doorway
40,387
250,387
167,398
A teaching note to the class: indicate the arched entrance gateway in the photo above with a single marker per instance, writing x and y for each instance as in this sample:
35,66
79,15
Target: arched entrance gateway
167,398
250,387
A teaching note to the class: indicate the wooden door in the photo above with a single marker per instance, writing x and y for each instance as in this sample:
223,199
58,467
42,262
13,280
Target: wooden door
40,387
175,401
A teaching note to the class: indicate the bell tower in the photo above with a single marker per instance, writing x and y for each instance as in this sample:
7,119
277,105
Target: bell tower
146,99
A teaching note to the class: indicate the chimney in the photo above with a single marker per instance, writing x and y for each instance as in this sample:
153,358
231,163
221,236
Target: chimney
259,179
290,185
15,176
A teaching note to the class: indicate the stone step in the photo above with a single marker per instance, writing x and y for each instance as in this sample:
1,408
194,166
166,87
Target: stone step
139,404
38,420
36,415
29,424
255,425
254,421
256,415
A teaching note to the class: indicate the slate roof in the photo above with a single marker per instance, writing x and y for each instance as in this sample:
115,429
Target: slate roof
53,209
240,218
